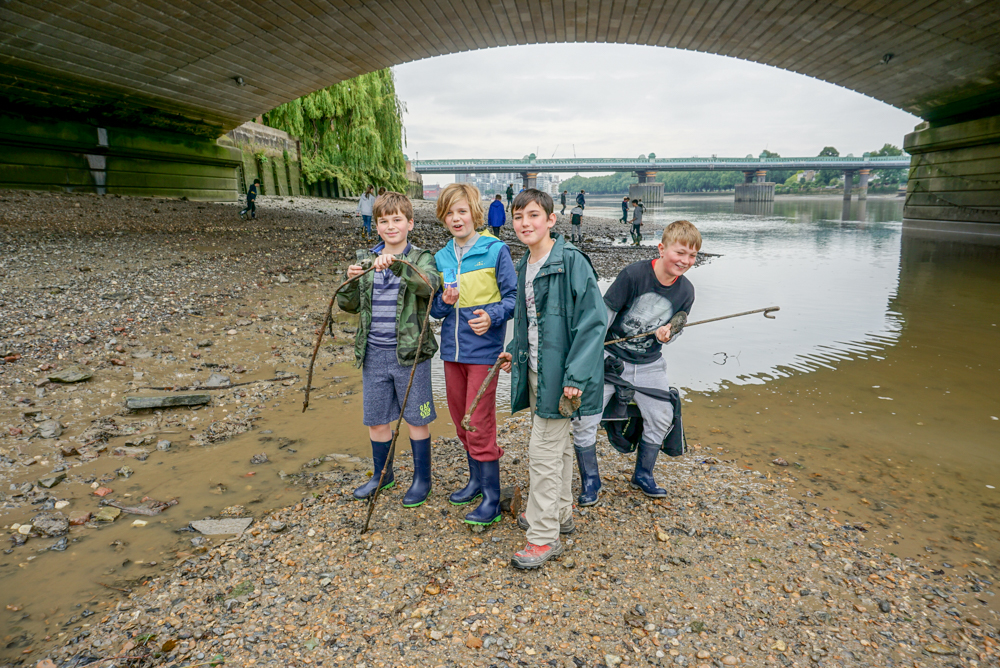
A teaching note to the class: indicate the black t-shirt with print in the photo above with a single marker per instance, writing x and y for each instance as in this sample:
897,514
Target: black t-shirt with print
643,304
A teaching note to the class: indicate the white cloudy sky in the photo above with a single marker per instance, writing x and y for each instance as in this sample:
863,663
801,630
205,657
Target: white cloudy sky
615,100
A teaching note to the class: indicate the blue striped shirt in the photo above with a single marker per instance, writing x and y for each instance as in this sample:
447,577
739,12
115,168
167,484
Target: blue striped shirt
384,297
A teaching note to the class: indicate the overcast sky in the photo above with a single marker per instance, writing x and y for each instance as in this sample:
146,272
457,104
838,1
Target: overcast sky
612,100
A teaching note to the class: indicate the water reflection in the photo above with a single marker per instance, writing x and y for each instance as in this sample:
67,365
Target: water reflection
753,208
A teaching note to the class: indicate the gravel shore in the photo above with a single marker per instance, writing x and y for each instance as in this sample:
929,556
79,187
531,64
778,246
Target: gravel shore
731,570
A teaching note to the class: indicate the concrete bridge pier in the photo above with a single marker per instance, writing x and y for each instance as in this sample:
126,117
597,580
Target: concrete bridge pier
761,176
529,179
649,190
848,184
863,184
748,177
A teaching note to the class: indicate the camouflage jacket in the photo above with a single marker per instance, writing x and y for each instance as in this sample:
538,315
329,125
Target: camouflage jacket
414,299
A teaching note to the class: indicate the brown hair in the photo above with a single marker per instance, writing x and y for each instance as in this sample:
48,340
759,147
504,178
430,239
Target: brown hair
682,231
455,192
391,202
539,197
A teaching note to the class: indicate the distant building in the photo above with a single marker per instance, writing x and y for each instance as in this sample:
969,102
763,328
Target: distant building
431,191
807,176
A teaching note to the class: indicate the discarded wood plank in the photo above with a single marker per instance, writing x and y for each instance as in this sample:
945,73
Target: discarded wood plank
218,527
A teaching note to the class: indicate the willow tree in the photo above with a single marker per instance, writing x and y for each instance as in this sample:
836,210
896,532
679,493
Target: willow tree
352,131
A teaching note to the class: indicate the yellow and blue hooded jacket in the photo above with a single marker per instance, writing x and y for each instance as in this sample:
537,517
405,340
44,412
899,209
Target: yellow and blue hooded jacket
486,280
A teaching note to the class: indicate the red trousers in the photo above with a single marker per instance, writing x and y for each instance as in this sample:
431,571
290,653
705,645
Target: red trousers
462,382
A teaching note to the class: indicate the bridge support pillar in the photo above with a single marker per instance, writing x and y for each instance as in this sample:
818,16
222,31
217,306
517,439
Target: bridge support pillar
863,183
761,176
748,177
848,184
954,183
529,179
646,177
68,156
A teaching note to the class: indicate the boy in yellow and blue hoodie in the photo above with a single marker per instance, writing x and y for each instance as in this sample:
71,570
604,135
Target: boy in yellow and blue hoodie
480,289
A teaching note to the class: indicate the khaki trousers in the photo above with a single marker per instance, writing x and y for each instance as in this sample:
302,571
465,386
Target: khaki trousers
550,470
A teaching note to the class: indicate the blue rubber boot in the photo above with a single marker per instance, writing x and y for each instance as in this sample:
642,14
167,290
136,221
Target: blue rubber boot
645,460
474,489
380,450
420,488
488,511
590,475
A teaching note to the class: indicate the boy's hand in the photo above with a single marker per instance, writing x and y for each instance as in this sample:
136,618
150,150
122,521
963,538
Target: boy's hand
571,392
450,296
480,325
663,334
507,360
383,262
354,271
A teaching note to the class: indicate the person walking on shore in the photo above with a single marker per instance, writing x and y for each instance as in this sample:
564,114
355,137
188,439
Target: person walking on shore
365,205
562,198
580,199
510,194
625,210
251,210
496,216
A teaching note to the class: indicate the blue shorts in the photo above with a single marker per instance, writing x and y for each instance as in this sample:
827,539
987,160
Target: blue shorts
384,382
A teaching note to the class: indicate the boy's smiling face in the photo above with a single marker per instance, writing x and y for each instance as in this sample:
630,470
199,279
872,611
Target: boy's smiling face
458,220
532,225
676,258
393,229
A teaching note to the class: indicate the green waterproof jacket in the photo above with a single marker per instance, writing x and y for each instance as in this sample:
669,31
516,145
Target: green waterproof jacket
414,299
572,322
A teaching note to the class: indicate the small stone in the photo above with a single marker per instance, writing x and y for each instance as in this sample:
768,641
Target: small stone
703,654
124,472
205,343
231,332
220,527
51,524
79,518
72,374
612,660
50,429
729,660
779,462
433,589
163,445
779,646
103,491
107,514
885,606
569,562
662,536
62,504
436,635
860,608
217,379
139,523
167,401
259,459
473,642
276,527
938,648
24,529
49,483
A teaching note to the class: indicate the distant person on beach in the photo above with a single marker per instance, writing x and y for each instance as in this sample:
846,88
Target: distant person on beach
496,216
625,210
392,301
251,208
636,223
640,304
510,194
562,199
581,200
365,205
575,224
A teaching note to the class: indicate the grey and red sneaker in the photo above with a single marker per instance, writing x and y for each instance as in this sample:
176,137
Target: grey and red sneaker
569,526
533,556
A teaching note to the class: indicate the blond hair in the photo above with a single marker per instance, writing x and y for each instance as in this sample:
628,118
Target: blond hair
391,202
456,192
683,232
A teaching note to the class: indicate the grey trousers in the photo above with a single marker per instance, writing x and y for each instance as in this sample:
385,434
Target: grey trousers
657,416
550,474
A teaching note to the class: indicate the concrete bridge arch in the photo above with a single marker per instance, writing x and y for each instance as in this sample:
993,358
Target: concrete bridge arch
165,77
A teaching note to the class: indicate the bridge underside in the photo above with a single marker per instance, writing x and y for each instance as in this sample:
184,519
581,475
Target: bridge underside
182,74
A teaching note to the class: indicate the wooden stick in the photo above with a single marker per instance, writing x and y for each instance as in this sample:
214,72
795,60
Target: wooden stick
327,320
766,311
467,420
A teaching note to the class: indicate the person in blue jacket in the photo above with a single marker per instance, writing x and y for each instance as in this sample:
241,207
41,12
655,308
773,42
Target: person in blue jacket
496,216
480,289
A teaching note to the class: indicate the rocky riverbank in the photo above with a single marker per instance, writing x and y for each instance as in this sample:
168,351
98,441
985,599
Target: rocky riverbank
143,294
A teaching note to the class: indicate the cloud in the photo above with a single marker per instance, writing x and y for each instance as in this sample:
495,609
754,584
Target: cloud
609,100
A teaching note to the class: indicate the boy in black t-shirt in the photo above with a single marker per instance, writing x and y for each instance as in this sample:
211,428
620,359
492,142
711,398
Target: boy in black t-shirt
643,298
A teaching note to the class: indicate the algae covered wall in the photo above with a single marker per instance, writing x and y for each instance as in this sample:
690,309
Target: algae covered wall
67,156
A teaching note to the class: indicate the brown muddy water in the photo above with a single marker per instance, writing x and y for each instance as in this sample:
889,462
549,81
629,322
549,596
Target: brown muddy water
876,384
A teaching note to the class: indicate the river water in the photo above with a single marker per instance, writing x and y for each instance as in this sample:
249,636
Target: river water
878,379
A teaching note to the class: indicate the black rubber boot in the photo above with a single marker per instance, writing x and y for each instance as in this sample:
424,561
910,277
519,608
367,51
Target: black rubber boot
470,492
488,511
590,476
380,450
645,460
420,488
